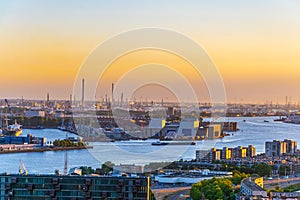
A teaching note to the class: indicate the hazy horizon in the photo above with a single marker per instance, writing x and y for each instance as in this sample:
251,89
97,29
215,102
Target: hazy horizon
254,44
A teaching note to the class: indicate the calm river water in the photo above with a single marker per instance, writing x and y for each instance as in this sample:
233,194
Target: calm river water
252,131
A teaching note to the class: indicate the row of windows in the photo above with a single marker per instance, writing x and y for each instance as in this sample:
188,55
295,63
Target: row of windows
69,180
59,186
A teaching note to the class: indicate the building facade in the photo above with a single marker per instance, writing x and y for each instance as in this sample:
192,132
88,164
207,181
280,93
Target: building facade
225,153
284,195
250,190
40,187
212,131
209,156
34,113
279,148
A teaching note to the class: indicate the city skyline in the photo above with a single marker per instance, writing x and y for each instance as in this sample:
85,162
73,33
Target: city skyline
254,45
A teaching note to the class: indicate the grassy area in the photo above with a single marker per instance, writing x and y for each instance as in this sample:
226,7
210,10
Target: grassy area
292,188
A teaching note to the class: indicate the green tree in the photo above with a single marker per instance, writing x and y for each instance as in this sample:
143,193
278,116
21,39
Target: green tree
215,188
107,166
238,177
196,192
87,170
262,169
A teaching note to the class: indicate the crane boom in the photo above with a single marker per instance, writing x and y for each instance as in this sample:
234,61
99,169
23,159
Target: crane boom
9,108
22,169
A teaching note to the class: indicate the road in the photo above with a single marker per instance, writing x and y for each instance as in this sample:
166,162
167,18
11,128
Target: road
295,179
170,193
285,182
179,195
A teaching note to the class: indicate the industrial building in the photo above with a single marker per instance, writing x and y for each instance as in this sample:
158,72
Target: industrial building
29,139
188,127
155,126
34,113
212,131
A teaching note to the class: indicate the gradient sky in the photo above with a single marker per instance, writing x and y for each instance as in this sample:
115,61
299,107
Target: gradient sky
255,44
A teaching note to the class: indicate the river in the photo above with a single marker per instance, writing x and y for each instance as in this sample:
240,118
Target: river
254,130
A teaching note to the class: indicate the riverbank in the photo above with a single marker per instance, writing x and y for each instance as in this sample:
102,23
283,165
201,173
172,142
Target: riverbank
42,149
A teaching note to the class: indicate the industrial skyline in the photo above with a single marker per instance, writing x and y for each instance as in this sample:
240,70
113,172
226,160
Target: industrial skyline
254,45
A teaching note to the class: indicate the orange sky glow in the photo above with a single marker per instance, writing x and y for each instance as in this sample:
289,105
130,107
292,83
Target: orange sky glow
255,46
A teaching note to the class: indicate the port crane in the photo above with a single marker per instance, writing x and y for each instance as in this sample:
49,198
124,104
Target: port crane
22,169
66,159
6,119
9,108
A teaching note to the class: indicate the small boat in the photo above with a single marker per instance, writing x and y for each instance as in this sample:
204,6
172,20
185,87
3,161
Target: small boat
266,121
281,119
159,143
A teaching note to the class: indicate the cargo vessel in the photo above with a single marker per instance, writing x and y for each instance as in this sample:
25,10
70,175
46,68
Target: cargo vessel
293,118
12,129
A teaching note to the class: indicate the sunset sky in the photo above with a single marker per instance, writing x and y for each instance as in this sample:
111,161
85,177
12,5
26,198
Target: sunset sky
255,44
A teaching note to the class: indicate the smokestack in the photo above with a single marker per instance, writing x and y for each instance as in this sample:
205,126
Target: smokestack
121,99
112,93
70,100
82,94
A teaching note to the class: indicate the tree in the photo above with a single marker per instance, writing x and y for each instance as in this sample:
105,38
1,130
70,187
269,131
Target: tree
195,192
107,166
215,188
262,169
238,177
87,170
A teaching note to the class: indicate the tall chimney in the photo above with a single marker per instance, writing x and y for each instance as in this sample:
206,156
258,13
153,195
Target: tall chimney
82,94
112,93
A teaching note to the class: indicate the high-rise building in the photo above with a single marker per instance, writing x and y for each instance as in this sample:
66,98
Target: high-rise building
239,152
291,146
251,151
278,148
215,154
203,155
210,156
226,153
